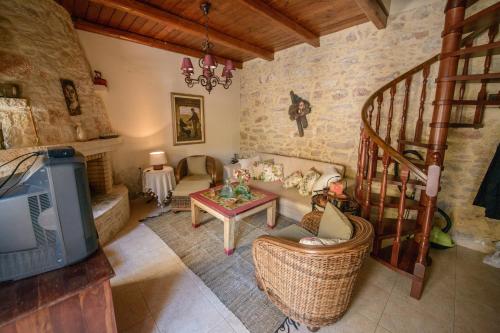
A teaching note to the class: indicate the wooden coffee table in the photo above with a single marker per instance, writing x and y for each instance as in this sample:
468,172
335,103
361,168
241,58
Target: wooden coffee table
229,214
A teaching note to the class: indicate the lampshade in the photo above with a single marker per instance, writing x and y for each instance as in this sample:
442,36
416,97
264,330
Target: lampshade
157,159
208,61
229,65
187,65
226,73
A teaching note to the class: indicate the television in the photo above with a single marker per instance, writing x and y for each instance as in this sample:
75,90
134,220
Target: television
46,219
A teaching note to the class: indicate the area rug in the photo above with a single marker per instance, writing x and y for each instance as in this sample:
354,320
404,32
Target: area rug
231,278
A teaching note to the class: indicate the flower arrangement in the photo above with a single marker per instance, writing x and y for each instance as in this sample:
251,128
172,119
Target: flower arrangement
243,175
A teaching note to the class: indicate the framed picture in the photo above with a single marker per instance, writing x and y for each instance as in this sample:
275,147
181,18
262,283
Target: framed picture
71,97
188,119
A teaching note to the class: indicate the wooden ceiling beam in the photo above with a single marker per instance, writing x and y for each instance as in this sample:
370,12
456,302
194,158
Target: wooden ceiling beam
283,21
375,11
136,38
179,23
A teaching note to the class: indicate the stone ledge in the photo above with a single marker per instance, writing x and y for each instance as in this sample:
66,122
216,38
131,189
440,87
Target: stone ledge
111,212
13,104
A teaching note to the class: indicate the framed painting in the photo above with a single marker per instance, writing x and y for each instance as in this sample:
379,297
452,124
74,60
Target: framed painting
188,119
71,97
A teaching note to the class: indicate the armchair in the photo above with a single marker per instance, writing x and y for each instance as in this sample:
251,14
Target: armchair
191,182
311,284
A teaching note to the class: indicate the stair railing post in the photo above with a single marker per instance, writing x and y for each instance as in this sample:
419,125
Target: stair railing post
396,246
420,122
454,14
404,114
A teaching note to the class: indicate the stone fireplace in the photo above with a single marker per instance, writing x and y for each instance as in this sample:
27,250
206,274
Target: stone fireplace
110,204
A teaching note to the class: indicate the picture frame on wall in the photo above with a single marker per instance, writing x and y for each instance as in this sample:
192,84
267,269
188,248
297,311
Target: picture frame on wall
71,97
188,119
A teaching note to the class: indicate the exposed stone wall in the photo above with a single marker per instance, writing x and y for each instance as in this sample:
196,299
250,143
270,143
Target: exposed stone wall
38,46
337,79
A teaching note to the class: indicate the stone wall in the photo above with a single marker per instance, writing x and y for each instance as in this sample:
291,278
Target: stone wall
38,47
338,77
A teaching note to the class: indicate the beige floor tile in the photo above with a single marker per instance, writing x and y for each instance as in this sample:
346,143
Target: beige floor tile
146,326
475,316
380,329
369,300
402,316
373,272
222,327
352,322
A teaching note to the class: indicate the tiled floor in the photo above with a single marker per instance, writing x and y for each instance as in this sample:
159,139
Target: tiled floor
154,291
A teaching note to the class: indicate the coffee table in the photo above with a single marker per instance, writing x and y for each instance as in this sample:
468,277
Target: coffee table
230,213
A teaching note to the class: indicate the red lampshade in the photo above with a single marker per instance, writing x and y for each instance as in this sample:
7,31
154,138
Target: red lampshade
226,73
209,61
187,65
229,65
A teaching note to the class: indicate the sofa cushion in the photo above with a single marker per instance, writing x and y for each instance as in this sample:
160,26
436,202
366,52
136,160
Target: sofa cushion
306,184
197,165
191,184
272,172
293,179
330,176
275,187
257,170
246,163
334,224
293,233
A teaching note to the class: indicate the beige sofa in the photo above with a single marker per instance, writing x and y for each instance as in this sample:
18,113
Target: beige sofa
291,204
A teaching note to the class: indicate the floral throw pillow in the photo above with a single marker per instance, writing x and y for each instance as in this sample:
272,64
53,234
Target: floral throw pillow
321,241
257,170
272,172
306,184
292,180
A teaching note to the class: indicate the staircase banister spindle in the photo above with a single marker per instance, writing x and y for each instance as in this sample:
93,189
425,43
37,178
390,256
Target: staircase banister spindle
404,114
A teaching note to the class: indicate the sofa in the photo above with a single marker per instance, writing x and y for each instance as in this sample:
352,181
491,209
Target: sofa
291,204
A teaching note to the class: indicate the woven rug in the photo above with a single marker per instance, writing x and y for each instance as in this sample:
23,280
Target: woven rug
231,278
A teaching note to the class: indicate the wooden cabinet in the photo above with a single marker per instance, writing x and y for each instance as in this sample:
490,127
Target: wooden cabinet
73,299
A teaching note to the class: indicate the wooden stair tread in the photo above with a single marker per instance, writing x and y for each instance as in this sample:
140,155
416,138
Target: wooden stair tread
481,20
395,180
475,51
491,77
422,144
469,102
389,227
407,258
393,202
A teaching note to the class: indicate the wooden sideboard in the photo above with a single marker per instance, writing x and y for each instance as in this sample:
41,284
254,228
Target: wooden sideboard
76,298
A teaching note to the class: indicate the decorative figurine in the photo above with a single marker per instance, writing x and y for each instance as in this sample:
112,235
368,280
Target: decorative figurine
298,111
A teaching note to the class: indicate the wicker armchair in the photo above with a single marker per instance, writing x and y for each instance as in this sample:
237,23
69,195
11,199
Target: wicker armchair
181,170
311,284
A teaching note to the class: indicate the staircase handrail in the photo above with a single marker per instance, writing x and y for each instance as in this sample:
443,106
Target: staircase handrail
393,153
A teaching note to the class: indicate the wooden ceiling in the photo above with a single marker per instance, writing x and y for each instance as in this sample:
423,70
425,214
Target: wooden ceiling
239,29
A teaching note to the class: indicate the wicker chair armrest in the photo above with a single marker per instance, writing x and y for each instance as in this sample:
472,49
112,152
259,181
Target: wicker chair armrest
311,284
311,221
181,170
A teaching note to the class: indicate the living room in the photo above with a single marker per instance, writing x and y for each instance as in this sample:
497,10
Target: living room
324,166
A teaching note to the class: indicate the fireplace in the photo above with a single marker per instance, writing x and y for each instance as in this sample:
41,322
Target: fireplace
110,204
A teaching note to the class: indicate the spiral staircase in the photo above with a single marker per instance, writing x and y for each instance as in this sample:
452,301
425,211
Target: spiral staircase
402,222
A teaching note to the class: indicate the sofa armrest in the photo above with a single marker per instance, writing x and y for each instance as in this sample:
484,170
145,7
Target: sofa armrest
181,170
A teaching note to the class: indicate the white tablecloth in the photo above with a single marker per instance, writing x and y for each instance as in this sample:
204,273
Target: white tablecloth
160,182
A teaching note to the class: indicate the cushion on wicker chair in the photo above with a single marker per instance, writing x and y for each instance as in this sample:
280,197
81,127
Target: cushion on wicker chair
321,241
192,184
293,233
197,165
334,224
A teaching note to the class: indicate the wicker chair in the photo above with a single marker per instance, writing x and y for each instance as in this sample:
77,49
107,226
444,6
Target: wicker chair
311,284
182,202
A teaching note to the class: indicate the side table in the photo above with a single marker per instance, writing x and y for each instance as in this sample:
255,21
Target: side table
345,203
158,183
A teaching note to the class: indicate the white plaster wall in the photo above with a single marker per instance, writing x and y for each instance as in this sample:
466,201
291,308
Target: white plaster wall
140,80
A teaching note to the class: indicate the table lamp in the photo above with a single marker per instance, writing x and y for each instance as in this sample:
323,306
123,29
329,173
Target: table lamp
157,159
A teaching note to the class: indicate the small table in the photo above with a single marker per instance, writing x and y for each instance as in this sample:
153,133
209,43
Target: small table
229,214
345,203
159,183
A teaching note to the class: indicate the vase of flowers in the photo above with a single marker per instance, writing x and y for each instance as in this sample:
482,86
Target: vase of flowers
243,176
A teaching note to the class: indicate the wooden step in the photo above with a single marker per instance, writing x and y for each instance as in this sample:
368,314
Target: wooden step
407,258
465,125
395,180
490,77
475,51
479,21
389,227
468,102
422,144
393,202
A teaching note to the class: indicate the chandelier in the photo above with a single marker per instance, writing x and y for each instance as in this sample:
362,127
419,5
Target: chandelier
207,63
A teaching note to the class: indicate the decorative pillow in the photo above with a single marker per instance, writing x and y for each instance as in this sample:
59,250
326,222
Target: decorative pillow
306,184
330,176
197,165
257,169
321,241
272,172
246,163
292,180
334,224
